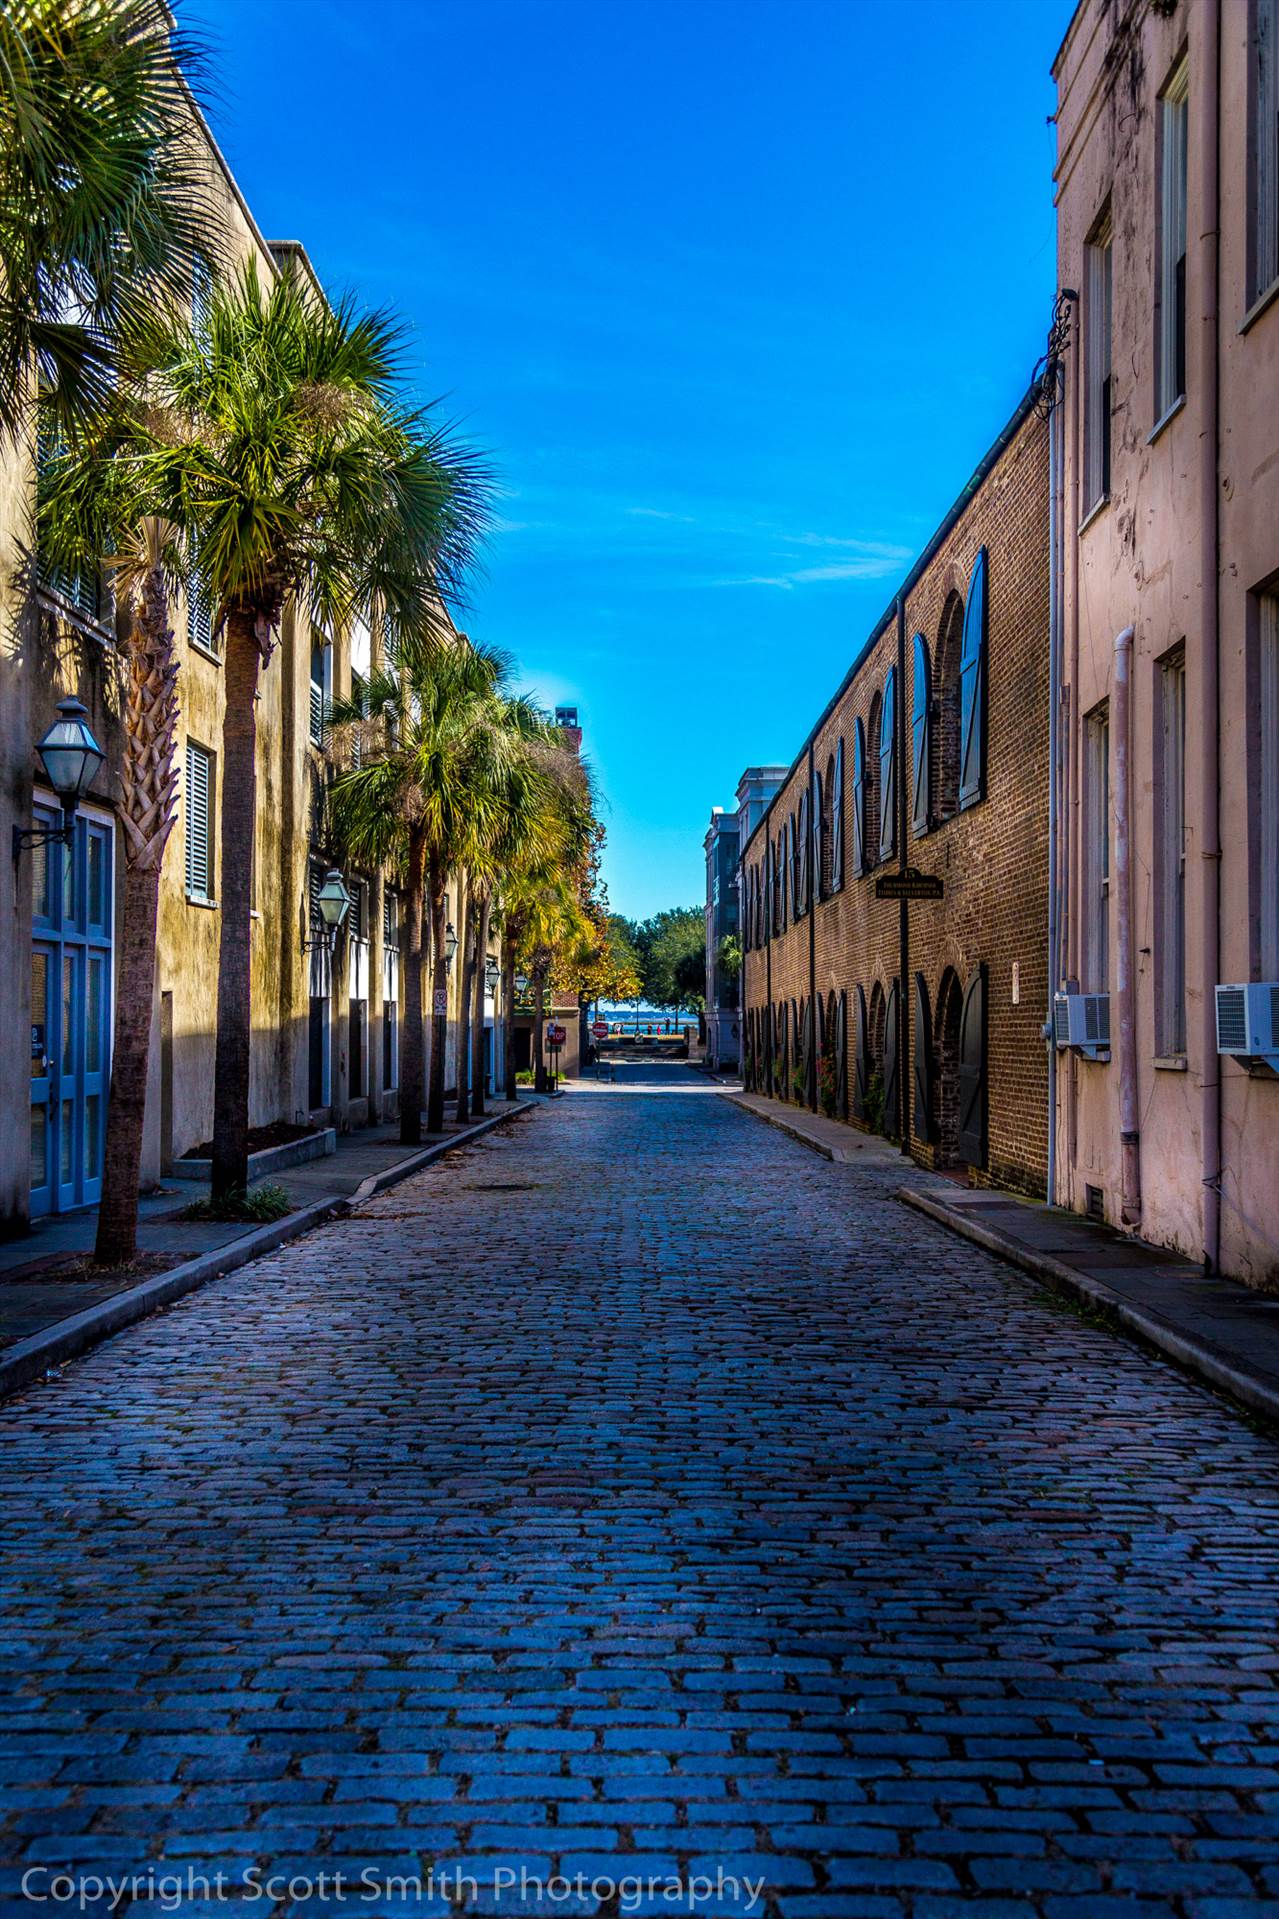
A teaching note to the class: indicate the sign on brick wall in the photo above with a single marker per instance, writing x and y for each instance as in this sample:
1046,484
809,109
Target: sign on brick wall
910,885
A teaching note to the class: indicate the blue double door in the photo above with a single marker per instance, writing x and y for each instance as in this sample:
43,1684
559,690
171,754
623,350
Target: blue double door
71,1010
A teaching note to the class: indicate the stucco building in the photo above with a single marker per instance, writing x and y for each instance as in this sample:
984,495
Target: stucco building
325,1042
926,775
1167,784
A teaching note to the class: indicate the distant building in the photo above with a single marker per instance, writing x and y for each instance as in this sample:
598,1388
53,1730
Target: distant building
724,840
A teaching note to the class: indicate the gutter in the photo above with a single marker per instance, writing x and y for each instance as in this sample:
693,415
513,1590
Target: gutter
1125,993
1209,626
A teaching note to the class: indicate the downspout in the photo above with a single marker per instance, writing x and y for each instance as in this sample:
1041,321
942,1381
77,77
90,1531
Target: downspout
1210,691
813,843
1130,1137
1056,483
770,869
904,1072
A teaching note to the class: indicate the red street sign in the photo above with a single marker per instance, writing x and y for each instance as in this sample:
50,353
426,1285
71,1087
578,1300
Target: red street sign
555,1034
600,1029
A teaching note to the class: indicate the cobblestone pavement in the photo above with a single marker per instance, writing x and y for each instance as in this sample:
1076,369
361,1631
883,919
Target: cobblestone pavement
639,1496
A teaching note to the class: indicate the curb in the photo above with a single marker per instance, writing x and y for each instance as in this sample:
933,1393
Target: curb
272,1159
1193,1355
879,1150
427,1155
28,1360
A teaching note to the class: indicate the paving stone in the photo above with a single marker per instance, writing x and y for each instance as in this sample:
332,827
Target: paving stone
715,1513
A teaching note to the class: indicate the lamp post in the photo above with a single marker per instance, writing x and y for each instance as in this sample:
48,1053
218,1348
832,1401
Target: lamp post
492,974
70,757
450,943
334,903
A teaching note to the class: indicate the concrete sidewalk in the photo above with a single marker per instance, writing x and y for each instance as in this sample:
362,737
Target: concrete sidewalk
1224,1333
50,1309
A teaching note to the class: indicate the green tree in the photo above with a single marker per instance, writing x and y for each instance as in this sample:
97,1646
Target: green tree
104,215
672,953
276,436
427,797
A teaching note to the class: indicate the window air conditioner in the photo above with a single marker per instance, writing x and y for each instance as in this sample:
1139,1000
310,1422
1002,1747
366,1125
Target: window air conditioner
1082,1020
1248,1023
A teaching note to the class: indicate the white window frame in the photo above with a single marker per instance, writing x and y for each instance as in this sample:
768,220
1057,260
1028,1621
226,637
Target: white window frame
1097,849
1098,361
1173,330
194,834
1170,927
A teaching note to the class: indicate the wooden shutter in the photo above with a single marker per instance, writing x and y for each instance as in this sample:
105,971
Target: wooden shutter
922,1051
199,615
972,1072
972,690
892,1020
841,1091
888,767
818,836
199,800
921,731
792,869
861,1054
837,821
859,798
804,890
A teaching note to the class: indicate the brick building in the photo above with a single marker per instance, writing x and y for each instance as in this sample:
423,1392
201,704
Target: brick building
923,1018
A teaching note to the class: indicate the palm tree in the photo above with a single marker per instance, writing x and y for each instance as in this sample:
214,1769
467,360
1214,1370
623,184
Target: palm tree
90,512
104,214
425,797
276,435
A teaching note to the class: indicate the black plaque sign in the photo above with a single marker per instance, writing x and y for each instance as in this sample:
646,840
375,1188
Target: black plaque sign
910,885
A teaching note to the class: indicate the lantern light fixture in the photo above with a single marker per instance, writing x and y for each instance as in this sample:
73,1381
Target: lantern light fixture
450,943
70,756
334,903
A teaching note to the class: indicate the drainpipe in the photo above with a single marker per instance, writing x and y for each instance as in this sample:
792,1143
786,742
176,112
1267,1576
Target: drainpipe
1210,643
905,1074
1130,1137
813,843
1056,483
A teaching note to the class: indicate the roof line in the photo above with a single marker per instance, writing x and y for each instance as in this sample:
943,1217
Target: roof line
983,468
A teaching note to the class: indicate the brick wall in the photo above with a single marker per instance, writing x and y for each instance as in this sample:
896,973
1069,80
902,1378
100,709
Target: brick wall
991,857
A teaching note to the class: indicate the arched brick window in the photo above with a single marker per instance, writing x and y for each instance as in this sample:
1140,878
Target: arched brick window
829,797
944,741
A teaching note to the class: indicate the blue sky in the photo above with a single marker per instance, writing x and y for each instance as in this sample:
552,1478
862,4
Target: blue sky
736,293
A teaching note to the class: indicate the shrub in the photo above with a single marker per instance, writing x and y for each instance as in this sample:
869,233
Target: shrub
267,1203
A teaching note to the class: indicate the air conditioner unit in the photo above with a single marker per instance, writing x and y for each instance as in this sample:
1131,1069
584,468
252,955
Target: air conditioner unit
1248,1023
1082,1020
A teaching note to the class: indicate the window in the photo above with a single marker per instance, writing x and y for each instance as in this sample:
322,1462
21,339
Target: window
1170,875
1267,891
944,726
888,767
199,607
199,822
390,988
920,728
321,687
1264,149
1096,915
1098,257
1171,344
859,797
837,819
870,821
972,690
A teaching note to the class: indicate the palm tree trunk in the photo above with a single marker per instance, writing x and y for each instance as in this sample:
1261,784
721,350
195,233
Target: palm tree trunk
243,662
439,1000
466,902
149,778
482,910
510,1085
413,1038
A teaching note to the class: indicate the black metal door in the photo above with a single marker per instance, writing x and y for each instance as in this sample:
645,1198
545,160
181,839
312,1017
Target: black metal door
861,1055
922,1050
972,1072
892,1103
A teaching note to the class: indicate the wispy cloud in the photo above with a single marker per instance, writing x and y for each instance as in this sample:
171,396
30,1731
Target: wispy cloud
657,513
871,566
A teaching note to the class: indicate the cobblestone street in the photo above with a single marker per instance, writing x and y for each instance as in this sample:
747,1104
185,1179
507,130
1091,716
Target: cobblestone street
639,1495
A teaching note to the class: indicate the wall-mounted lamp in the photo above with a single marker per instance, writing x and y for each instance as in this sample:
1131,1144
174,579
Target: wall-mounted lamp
492,973
71,757
450,944
521,986
334,903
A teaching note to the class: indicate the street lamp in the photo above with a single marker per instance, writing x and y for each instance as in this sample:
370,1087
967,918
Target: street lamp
334,903
450,944
71,757
492,973
521,986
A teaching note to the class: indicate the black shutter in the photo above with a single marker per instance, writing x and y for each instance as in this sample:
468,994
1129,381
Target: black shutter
837,822
892,1114
920,728
841,1089
861,1055
792,869
922,1048
972,690
888,767
803,889
859,798
817,837
972,1072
